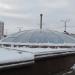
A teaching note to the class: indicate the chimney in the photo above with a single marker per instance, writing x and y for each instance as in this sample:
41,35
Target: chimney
41,21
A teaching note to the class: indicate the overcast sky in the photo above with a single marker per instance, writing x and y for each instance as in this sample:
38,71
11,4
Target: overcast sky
25,14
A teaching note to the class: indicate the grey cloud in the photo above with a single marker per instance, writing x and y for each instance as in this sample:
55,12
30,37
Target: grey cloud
26,12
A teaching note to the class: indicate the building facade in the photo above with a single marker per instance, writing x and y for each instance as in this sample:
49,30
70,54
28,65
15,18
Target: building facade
1,29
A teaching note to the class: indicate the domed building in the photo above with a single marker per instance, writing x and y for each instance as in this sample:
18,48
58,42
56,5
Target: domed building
39,36
42,51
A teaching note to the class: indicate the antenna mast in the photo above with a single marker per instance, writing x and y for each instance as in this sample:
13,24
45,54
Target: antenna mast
65,24
19,28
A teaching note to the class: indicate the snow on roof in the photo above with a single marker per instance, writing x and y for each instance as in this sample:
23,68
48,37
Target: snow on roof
36,44
20,56
44,52
8,56
37,36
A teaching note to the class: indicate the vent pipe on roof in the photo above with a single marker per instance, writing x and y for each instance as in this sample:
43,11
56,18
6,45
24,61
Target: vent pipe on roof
41,21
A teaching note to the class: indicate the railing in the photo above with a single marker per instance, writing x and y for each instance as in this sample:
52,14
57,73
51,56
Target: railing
38,45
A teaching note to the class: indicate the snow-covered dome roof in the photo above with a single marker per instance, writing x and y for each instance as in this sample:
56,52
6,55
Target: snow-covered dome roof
39,36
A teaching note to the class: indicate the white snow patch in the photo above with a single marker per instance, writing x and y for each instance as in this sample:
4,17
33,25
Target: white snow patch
40,51
11,56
